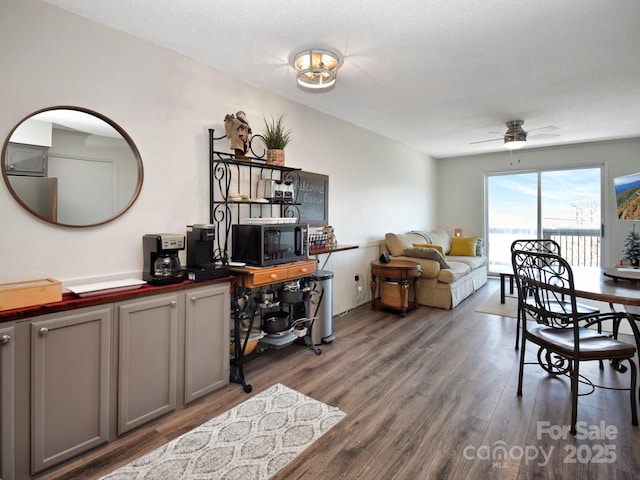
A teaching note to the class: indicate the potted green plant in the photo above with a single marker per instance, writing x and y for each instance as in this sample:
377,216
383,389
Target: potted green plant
631,247
275,138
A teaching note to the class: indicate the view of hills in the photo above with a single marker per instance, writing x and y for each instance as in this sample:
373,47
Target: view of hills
628,196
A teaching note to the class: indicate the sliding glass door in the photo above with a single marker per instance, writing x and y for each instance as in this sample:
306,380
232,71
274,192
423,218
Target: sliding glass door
563,205
512,213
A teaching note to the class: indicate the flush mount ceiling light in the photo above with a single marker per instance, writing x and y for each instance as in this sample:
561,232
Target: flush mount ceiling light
316,69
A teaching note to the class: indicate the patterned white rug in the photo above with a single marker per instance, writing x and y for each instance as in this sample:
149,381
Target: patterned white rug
253,440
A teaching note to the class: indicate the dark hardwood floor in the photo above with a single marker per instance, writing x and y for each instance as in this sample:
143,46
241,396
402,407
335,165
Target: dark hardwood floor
428,395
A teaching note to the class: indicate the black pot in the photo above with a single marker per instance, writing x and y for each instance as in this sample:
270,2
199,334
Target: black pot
290,296
275,322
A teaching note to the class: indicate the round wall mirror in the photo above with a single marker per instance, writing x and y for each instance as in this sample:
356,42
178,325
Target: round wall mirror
71,166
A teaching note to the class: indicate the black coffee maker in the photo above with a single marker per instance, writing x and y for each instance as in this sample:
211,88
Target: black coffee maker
161,262
201,264
200,245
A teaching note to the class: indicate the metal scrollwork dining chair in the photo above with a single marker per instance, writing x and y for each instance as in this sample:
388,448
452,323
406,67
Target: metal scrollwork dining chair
565,338
542,245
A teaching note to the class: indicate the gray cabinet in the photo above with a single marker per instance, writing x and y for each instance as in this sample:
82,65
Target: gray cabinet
26,160
206,368
147,359
7,421
72,380
70,376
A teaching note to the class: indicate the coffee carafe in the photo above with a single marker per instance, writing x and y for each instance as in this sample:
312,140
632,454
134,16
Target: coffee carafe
161,261
166,265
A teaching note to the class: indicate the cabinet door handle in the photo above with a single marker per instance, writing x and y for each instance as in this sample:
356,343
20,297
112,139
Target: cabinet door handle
173,303
43,331
4,339
193,299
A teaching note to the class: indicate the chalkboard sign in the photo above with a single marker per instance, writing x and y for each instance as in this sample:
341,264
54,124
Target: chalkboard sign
313,196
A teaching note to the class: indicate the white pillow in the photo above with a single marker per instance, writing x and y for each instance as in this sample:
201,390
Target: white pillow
396,243
440,237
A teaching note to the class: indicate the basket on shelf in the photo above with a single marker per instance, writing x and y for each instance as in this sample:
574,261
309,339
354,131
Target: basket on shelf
275,157
275,138
390,295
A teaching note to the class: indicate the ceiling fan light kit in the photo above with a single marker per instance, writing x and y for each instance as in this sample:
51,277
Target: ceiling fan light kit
514,144
316,69
515,137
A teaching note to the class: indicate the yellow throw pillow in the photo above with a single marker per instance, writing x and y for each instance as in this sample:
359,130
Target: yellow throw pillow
430,245
463,246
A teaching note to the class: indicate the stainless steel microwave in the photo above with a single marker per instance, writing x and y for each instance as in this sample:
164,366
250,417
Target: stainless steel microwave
262,245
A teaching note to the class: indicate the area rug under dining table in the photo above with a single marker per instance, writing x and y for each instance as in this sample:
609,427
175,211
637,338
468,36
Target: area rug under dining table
253,440
493,306
509,308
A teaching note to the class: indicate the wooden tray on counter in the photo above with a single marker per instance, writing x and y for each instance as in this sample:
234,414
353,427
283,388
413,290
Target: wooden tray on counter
29,292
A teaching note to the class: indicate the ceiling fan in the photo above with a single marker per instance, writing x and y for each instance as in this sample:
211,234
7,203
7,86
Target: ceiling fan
516,136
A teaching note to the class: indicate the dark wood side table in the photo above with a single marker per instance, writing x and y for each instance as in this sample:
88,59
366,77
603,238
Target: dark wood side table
504,276
400,271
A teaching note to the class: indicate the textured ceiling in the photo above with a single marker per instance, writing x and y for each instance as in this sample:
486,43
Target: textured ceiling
432,74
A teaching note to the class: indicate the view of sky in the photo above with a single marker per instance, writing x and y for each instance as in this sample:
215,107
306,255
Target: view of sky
570,199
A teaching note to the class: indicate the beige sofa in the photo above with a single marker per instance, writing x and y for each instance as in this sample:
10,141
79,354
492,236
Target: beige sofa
446,279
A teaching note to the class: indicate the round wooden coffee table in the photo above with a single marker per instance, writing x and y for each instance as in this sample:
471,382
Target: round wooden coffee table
396,271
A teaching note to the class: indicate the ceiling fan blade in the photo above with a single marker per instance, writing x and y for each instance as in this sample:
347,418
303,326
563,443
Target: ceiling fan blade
540,135
506,134
485,141
548,127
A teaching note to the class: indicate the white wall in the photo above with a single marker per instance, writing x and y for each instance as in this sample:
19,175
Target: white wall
166,102
461,183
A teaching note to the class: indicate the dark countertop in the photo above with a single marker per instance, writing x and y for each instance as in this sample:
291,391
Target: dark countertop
71,301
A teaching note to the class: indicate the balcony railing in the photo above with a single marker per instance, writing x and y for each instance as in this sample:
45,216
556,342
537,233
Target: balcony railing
581,247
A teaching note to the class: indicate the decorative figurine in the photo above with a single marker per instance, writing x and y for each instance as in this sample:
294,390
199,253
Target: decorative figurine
238,132
332,241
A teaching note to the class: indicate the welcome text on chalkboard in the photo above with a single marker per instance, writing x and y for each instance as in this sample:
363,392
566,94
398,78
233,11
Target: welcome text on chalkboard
313,196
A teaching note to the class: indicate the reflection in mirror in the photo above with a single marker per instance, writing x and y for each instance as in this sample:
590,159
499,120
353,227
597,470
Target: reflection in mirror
71,166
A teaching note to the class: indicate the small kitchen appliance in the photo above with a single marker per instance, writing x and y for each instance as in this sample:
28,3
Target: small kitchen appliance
284,191
265,245
161,262
200,245
201,264
276,190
